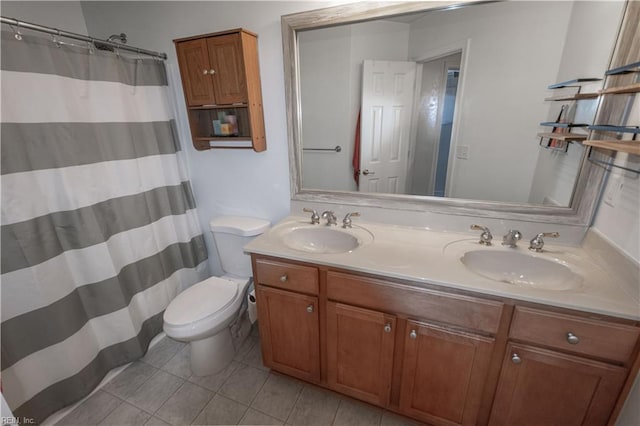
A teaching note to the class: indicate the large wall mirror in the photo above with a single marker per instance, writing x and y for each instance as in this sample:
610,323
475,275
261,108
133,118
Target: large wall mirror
437,105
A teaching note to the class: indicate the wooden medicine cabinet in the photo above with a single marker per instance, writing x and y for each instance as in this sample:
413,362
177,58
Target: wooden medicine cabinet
221,83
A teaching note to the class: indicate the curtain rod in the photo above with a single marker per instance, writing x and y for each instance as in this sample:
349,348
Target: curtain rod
66,34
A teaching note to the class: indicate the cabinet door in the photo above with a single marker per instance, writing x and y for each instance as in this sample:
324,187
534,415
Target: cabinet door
289,332
229,80
443,374
539,386
360,346
195,71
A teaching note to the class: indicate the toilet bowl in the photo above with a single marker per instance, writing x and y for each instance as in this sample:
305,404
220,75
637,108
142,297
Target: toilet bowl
204,313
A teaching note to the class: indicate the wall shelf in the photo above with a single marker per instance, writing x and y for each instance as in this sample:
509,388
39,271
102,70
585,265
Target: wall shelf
572,83
562,125
625,69
615,129
631,88
631,147
575,97
569,137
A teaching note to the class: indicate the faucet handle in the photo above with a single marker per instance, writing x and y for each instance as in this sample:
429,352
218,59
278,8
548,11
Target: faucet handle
537,243
485,237
315,218
346,222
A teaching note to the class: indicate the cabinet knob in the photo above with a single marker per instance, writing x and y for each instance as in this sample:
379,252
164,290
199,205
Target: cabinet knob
413,334
572,338
310,309
284,278
205,72
387,328
516,359
212,71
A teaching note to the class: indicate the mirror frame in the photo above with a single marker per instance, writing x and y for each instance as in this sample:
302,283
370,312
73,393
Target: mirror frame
588,182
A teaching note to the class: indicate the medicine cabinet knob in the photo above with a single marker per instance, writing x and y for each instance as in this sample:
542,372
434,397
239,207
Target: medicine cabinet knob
284,278
387,328
516,359
310,309
572,338
413,334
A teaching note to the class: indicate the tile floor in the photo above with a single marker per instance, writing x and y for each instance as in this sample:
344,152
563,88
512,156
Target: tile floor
160,389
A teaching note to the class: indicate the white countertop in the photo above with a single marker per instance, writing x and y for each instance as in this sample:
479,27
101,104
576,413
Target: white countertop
424,256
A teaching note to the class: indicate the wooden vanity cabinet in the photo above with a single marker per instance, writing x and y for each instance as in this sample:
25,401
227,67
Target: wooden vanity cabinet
289,321
220,74
442,357
360,345
562,369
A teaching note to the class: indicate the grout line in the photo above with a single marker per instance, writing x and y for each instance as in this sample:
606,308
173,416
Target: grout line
337,410
293,407
205,405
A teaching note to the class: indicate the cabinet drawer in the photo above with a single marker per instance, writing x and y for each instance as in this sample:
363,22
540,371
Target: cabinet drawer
454,309
581,335
303,279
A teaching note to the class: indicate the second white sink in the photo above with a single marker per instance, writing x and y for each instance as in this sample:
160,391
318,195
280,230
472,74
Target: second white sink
522,270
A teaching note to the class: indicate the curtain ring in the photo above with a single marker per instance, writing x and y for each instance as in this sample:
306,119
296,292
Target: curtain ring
16,33
55,39
90,46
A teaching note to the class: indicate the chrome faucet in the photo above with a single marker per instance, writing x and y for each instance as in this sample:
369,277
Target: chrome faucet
485,237
346,222
315,219
537,242
511,238
331,217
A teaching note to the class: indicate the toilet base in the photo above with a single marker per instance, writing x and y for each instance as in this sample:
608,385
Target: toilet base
212,354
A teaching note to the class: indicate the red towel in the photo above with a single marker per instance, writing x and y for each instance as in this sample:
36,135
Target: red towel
355,162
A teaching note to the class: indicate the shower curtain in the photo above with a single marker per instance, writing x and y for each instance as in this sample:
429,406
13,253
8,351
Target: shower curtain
99,225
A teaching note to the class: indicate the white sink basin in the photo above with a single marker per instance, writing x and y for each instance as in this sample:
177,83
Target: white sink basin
322,239
522,270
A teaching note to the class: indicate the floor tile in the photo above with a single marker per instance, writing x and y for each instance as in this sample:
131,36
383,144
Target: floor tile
393,419
214,382
126,415
180,364
245,348
162,352
315,406
253,357
356,413
244,384
278,396
154,421
92,411
184,405
125,384
255,331
221,411
254,417
155,391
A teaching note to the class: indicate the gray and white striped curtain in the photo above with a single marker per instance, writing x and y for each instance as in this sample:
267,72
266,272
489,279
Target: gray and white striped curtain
99,224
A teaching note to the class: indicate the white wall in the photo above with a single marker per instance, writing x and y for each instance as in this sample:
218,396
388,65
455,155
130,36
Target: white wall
64,15
331,90
511,47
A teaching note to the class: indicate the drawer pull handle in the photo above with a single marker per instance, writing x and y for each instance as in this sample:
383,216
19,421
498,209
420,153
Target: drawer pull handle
572,338
310,309
205,72
212,71
413,334
387,328
284,278
516,359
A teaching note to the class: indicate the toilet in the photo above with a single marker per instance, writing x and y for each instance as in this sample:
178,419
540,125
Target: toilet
205,313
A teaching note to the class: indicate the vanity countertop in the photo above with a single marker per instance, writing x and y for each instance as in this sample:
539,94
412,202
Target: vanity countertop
424,256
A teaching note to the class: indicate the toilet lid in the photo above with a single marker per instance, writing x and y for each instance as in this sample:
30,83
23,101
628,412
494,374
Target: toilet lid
201,300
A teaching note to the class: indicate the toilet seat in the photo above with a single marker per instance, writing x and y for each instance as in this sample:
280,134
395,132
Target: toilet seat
202,300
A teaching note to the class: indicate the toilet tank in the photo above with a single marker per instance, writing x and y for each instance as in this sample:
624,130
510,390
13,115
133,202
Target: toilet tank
231,234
